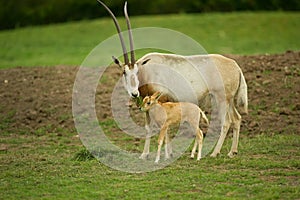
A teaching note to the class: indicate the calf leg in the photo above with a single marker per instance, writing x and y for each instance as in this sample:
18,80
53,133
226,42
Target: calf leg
198,143
200,140
168,147
160,141
145,153
194,147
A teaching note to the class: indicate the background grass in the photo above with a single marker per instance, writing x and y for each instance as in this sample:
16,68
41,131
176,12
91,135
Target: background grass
70,43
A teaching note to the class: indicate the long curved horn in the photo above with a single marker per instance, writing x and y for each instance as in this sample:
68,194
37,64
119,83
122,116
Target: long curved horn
125,54
130,34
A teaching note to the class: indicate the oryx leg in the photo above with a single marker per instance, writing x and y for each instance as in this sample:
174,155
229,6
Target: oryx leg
224,120
145,153
236,122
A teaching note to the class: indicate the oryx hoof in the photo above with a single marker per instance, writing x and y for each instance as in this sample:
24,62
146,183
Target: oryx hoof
213,155
232,154
144,156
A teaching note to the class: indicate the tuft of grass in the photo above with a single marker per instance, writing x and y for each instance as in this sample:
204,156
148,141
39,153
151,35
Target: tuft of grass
70,43
83,155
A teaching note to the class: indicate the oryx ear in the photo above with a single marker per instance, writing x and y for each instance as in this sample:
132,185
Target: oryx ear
145,61
117,61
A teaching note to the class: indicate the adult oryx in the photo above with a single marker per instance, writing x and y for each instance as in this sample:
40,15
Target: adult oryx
202,72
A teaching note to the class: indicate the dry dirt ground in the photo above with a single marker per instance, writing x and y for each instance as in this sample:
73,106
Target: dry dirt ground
40,98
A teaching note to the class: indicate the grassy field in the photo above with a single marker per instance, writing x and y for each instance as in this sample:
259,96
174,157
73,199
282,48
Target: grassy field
69,44
44,167
55,165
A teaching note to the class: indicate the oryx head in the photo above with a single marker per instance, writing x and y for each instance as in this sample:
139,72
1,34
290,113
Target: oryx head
130,68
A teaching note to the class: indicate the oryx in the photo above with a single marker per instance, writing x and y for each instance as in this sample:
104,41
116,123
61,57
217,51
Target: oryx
201,71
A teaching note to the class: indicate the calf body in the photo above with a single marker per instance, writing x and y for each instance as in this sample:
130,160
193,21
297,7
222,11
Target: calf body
169,113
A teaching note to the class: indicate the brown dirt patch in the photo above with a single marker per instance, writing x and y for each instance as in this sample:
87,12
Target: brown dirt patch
41,97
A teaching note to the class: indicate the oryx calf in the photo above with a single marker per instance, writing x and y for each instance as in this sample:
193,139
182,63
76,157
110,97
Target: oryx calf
166,114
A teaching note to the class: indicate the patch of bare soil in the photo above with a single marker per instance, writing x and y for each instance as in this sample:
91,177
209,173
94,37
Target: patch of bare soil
41,97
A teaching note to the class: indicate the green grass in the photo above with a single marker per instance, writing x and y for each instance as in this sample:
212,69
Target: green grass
70,43
57,167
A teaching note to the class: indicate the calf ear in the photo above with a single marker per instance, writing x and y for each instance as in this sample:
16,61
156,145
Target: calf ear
117,61
157,95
